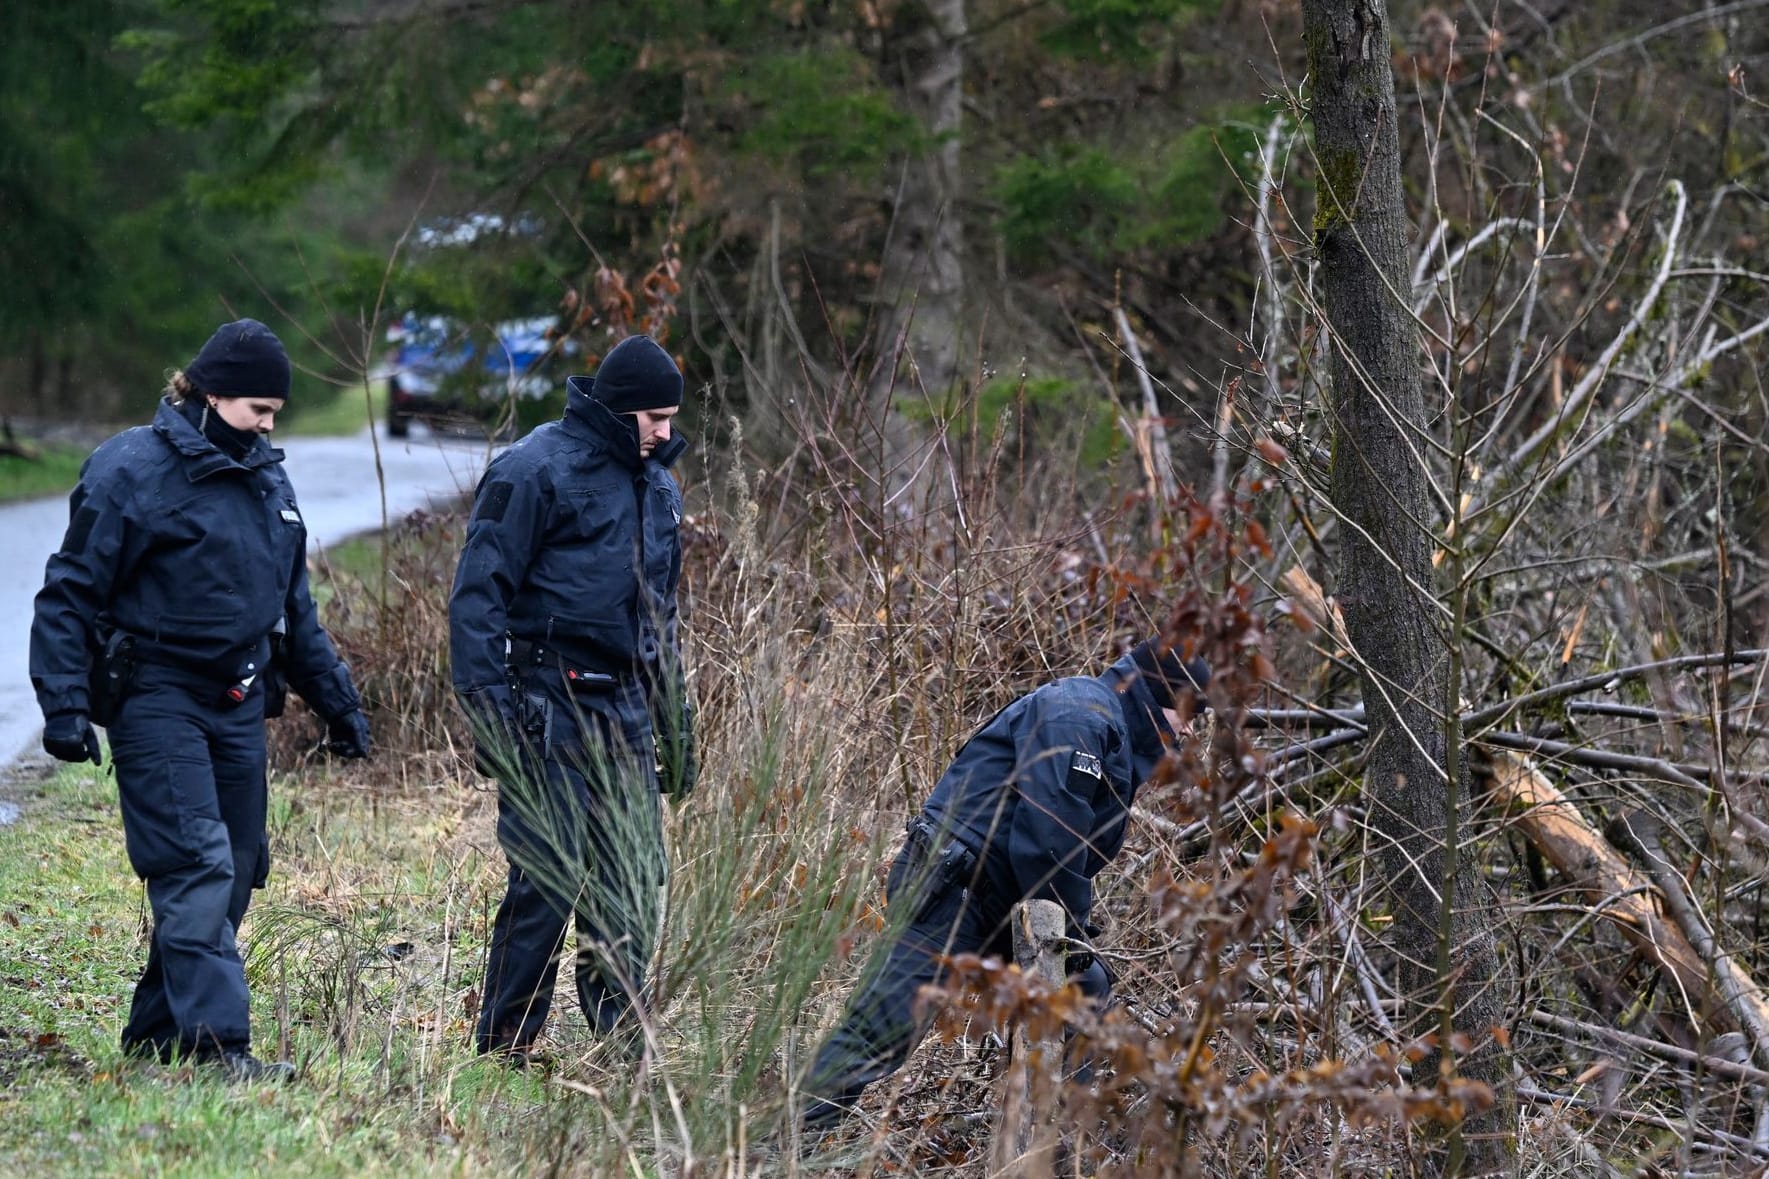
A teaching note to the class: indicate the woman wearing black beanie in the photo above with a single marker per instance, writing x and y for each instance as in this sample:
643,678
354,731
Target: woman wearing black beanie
184,562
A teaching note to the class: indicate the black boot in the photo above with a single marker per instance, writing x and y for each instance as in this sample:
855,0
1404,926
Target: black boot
242,1068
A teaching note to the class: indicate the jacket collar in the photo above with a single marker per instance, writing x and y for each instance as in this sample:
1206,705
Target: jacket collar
615,434
1145,723
203,458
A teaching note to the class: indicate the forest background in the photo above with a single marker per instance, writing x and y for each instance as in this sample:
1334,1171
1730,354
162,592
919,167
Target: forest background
1011,334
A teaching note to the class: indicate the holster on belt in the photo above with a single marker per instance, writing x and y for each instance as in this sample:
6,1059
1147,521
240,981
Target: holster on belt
276,677
113,673
933,863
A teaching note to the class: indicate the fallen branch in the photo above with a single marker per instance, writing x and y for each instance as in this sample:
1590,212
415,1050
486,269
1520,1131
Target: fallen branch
1608,679
1151,437
1697,1061
1737,990
1677,1126
1634,763
1604,759
1552,822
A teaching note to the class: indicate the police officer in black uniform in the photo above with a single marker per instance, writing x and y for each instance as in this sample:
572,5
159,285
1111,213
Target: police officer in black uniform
1032,807
562,630
184,560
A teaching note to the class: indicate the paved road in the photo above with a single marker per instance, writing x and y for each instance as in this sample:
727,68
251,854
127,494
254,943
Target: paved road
335,482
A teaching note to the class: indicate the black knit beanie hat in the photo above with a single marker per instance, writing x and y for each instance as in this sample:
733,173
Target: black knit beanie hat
242,359
1165,674
637,374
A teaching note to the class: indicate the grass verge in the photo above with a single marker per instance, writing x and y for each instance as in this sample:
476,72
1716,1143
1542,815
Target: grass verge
404,1099
340,411
365,955
53,472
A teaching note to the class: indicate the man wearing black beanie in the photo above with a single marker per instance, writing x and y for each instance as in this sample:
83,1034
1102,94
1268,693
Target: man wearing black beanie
1033,807
562,629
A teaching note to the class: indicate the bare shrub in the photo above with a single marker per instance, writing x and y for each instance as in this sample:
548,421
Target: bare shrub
390,625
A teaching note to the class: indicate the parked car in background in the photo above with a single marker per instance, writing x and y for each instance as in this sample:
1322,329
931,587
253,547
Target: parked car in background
446,374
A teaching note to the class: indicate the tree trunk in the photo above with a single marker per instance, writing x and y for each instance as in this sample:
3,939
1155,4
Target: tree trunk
1392,616
921,282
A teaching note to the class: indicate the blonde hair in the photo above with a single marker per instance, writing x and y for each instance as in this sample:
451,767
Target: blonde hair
179,389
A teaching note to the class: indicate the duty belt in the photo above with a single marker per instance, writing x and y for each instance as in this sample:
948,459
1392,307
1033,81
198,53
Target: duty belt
580,676
145,650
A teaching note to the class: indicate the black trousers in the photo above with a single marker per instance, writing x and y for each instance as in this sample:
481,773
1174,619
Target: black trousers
191,780
880,1026
581,825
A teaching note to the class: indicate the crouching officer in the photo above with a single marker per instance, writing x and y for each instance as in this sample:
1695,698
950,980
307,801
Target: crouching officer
184,552
562,632
1032,807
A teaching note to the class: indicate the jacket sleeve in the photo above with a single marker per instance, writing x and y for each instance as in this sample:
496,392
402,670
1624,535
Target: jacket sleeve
503,535
76,590
1061,756
310,661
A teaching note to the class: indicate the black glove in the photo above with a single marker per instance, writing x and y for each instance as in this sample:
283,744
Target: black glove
678,766
68,736
1081,955
672,723
348,735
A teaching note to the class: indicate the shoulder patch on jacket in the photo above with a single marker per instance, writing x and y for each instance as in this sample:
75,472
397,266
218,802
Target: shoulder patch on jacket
80,530
496,501
1088,764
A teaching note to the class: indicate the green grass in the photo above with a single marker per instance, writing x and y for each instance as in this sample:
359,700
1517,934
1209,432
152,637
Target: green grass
358,557
388,1087
318,414
54,471
56,468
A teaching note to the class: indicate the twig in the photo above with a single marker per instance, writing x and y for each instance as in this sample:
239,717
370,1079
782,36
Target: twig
1346,930
1712,1065
1312,718
1608,679
1660,30
1582,393
1544,1097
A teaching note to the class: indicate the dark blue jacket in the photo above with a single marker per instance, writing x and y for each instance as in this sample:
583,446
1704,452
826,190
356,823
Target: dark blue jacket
573,543
1043,791
195,554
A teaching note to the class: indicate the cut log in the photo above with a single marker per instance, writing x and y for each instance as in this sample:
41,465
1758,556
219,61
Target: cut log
1025,1141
